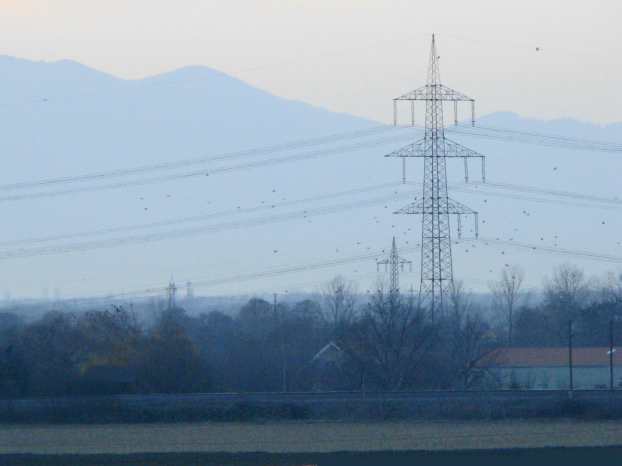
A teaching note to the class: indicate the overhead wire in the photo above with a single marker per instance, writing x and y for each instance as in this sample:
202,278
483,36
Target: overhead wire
192,231
207,172
198,218
582,254
543,141
506,135
285,270
149,237
268,273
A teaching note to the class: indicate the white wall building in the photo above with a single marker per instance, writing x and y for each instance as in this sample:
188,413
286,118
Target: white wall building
548,368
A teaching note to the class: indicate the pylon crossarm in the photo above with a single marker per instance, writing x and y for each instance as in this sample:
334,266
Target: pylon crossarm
435,92
452,208
423,148
416,149
455,207
453,149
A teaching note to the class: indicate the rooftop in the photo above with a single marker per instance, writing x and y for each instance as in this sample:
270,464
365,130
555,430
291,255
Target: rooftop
549,357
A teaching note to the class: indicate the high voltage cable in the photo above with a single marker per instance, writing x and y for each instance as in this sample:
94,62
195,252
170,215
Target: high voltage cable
515,136
544,141
186,232
198,218
554,250
615,204
405,249
552,192
482,189
604,144
332,138
204,172
541,200
273,272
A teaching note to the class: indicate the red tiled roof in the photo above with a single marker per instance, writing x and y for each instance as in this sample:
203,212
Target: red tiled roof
549,357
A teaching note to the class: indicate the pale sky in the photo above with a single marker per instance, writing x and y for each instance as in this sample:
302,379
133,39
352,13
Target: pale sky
347,55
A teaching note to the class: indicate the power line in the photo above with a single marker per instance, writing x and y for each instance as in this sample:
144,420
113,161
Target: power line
614,201
608,145
197,218
541,140
305,267
204,172
268,273
149,168
213,228
582,254
192,231
511,136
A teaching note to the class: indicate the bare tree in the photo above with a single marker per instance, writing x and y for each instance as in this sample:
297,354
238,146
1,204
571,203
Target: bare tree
565,294
388,339
568,287
506,294
459,300
612,289
465,337
339,296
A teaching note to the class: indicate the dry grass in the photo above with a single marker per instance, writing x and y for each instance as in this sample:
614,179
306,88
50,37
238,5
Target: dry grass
290,437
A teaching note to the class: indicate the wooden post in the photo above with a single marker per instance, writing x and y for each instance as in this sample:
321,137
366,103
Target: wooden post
611,350
570,356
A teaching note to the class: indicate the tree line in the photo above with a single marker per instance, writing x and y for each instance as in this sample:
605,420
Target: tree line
340,341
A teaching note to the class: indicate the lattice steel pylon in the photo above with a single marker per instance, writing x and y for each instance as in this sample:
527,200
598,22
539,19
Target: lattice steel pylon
395,264
435,206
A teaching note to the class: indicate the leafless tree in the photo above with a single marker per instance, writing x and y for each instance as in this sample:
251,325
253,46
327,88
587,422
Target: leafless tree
460,302
507,293
567,287
565,294
339,299
466,336
612,289
389,339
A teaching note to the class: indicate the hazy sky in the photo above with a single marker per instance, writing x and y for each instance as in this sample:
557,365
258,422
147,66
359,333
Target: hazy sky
347,55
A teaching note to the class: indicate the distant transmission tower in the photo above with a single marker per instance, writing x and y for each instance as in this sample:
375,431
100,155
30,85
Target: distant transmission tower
395,264
435,206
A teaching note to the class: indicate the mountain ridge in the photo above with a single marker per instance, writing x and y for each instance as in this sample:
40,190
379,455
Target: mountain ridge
73,120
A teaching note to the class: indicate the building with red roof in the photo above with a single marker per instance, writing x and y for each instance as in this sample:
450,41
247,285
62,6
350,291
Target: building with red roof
549,368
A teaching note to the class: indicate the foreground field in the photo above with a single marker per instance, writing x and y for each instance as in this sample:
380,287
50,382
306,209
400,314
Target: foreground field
304,437
582,456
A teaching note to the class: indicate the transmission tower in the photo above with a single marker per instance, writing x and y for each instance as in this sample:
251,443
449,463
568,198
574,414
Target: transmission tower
434,205
395,264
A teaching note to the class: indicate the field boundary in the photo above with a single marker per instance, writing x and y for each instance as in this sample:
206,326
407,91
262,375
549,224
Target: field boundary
317,405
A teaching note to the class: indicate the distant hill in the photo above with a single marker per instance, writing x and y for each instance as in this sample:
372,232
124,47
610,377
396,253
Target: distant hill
62,118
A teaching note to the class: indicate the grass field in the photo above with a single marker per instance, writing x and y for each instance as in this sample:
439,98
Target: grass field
307,437
601,456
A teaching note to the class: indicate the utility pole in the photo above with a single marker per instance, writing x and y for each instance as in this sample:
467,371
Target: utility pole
189,291
570,375
281,336
395,264
434,205
171,292
611,351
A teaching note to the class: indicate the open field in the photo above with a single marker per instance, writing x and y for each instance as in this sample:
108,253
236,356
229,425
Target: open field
305,437
603,456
